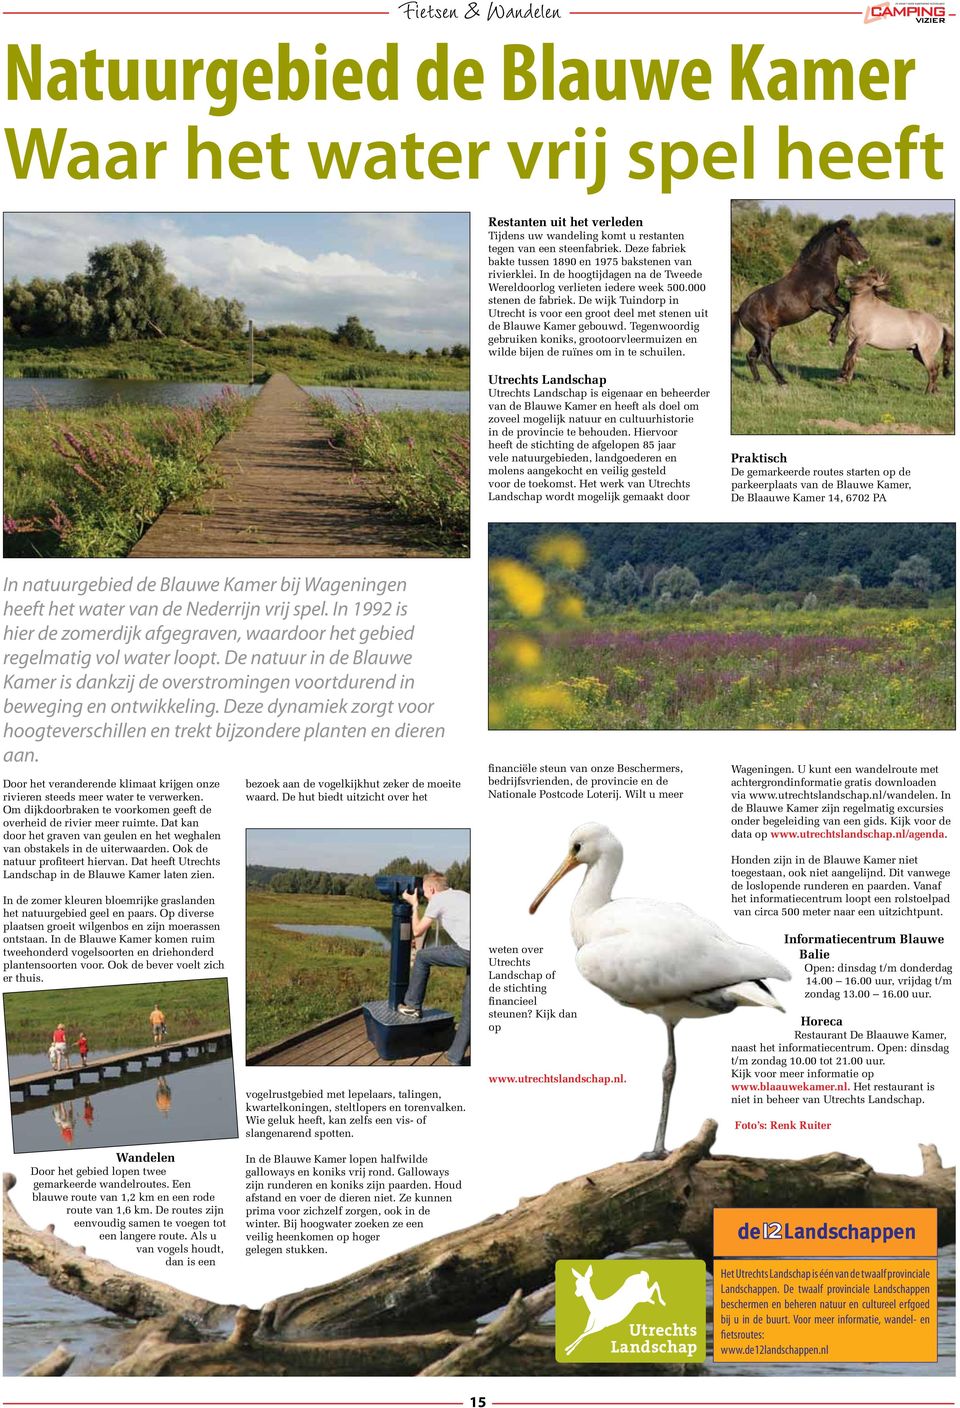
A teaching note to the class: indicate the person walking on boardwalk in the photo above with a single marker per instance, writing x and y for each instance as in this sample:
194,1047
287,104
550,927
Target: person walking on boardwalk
83,1046
452,909
59,1043
159,1024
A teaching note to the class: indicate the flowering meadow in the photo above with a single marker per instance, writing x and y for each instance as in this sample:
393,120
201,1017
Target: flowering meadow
699,665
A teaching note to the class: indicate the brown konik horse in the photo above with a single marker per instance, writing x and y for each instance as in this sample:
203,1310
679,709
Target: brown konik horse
811,286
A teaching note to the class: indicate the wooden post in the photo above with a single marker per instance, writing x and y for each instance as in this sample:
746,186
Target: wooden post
250,331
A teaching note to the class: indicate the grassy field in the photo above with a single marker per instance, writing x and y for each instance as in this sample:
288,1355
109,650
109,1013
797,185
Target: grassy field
886,396
115,1017
306,354
295,980
87,483
735,668
423,459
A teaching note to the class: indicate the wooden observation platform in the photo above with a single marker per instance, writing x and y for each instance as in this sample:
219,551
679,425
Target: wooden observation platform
340,1041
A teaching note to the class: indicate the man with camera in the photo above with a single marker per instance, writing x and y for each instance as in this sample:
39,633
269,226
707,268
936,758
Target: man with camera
451,908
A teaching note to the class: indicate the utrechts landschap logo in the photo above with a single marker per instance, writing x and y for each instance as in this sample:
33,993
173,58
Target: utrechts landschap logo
920,14
636,1312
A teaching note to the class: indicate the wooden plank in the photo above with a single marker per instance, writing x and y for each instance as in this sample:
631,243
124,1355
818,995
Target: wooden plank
285,491
273,1048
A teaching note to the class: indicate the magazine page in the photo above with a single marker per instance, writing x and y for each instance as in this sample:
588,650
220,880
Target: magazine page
479,486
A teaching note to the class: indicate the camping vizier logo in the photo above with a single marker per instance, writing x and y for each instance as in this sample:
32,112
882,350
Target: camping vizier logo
921,14
641,1312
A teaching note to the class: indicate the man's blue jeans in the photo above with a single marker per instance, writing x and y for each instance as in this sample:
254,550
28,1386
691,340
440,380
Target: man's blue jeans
444,956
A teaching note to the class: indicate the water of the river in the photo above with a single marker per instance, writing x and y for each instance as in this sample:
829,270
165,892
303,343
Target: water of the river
195,1103
381,937
64,393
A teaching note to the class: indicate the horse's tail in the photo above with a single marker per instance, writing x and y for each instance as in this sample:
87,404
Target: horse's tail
947,349
734,325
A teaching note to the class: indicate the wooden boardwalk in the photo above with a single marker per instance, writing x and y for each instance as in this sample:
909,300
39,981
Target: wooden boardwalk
285,492
341,1041
49,1086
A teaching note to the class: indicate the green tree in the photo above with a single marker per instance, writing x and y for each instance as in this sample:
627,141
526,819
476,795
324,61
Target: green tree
18,305
624,585
458,875
352,333
362,887
677,582
916,571
129,288
126,292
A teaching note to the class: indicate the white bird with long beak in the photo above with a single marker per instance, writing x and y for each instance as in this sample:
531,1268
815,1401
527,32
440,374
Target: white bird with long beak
657,957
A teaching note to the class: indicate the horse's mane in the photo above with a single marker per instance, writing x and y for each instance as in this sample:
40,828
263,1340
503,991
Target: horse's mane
816,242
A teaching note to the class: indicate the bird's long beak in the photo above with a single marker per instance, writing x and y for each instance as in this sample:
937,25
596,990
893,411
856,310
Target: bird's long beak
569,864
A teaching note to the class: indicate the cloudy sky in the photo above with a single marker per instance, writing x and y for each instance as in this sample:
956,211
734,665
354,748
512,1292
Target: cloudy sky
404,275
359,851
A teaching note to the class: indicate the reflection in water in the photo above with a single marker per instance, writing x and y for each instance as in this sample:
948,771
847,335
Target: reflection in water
65,1119
134,1108
366,932
28,393
164,1097
65,1111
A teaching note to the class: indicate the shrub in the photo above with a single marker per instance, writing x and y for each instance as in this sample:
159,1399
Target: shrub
675,582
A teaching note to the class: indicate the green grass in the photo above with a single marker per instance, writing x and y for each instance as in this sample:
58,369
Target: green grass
421,460
294,981
887,394
838,667
306,354
115,1017
87,483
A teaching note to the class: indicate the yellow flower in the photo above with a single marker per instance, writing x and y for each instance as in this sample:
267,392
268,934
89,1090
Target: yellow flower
571,607
496,714
589,688
523,588
522,652
564,548
555,698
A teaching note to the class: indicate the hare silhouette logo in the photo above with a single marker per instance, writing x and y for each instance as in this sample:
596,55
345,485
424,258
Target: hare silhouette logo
653,1311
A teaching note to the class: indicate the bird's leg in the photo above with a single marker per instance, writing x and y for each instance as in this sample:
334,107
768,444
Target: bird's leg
659,1150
